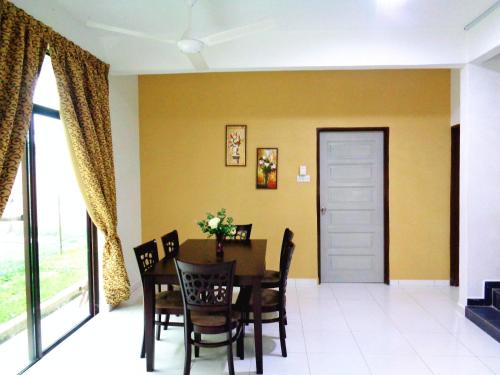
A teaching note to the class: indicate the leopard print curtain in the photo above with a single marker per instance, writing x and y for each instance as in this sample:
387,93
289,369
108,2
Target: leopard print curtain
23,43
82,82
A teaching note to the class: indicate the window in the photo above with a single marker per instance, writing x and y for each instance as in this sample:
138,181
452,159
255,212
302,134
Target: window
48,275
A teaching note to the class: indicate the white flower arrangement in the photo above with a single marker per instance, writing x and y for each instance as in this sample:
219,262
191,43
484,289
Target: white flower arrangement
218,224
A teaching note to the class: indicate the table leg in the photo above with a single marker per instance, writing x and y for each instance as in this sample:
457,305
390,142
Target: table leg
149,312
257,318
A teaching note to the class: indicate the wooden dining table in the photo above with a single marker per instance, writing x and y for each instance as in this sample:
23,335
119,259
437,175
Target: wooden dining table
250,257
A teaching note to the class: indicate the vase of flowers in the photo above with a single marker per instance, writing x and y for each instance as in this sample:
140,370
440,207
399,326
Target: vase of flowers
219,225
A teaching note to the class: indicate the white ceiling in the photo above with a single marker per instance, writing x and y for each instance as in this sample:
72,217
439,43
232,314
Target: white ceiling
308,34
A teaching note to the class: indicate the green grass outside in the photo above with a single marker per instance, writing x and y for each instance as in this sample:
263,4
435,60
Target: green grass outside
57,272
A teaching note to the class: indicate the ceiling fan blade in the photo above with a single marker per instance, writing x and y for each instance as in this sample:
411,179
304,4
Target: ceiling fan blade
187,32
197,61
238,32
123,31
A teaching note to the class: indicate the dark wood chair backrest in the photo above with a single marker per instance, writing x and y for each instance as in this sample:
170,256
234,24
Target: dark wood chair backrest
243,232
170,243
206,287
287,238
147,256
285,268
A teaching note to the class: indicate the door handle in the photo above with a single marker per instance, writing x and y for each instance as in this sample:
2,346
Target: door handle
323,210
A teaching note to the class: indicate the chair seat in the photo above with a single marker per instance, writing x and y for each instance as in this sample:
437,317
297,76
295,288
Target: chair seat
270,300
169,300
213,320
271,279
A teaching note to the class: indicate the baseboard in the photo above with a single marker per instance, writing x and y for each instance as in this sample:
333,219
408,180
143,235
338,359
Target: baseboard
420,282
303,282
486,299
311,282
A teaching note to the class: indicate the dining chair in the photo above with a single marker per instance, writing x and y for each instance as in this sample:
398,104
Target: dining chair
275,300
243,232
167,302
170,242
271,278
207,291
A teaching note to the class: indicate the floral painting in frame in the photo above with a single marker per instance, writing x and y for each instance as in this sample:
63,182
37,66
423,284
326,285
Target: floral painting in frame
267,168
236,145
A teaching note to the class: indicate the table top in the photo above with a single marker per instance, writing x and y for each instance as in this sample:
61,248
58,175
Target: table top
250,257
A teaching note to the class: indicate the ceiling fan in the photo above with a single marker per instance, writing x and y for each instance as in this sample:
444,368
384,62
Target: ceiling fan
188,44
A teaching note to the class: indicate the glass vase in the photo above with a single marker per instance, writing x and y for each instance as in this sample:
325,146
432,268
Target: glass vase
219,249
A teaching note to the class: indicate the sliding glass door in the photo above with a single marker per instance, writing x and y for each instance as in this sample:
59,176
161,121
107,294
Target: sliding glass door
14,341
47,243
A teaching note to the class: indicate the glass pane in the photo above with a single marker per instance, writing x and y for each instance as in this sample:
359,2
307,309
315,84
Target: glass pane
14,355
46,88
62,234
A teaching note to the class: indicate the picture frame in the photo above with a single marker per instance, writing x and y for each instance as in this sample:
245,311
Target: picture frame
236,145
267,168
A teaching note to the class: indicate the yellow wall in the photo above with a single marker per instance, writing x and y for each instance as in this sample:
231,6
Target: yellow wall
182,127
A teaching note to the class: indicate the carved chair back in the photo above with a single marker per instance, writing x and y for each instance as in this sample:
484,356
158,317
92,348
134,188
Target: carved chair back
147,256
206,287
243,232
170,243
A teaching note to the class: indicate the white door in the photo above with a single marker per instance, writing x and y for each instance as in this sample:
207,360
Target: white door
352,206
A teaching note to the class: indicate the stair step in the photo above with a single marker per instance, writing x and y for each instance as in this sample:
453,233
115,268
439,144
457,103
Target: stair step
496,298
485,317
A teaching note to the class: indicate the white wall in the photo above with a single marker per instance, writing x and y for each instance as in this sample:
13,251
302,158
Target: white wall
479,180
124,108
455,97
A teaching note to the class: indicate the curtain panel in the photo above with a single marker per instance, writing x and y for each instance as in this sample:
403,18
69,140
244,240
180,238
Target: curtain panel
82,82
23,43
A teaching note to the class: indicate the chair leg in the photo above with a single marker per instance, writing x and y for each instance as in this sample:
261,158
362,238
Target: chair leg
282,335
167,320
240,343
197,337
143,349
158,330
282,317
187,345
230,363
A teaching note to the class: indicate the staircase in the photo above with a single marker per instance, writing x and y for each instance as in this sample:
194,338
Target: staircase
485,312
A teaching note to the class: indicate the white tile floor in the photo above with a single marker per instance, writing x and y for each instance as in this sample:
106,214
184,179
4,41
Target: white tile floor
343,329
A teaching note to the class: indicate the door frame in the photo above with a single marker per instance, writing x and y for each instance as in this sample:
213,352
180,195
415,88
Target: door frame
385,132
455,206
31,251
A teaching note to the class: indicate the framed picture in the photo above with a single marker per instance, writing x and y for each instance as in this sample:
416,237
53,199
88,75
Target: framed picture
267,168
236,145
